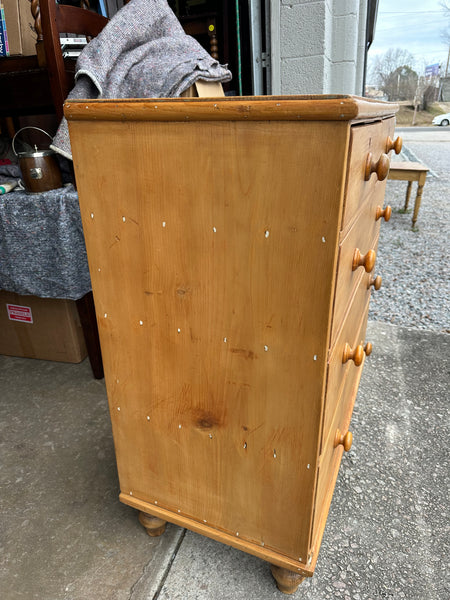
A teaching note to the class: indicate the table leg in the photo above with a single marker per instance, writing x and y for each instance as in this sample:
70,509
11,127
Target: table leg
408,194
418,201
86,311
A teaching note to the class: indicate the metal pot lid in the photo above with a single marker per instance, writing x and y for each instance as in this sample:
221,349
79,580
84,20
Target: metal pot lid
35,154
30,154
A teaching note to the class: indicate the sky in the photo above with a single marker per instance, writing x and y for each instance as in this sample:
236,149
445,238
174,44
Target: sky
413,25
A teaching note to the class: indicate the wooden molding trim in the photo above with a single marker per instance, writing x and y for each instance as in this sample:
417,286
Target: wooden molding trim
252,108
220,536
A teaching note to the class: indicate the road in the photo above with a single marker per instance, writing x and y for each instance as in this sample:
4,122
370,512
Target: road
427,145
422,129
424,134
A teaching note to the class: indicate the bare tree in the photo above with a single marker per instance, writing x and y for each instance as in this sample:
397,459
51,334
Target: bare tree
394,74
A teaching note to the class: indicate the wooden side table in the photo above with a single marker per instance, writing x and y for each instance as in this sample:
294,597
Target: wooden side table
410,171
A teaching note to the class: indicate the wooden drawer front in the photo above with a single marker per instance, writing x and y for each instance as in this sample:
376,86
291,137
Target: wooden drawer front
352,333
345,294
338,414
344,407
362,236
331,454
364,139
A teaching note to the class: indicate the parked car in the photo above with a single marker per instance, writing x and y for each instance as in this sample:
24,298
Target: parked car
443,120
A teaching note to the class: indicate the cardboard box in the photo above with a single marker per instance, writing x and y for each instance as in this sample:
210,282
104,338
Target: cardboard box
43,328
20,27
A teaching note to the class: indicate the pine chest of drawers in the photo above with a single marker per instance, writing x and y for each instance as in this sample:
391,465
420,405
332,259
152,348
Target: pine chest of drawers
232,246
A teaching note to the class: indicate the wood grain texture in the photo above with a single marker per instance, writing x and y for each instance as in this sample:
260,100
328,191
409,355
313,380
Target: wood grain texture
213,247
252,108
350,334
266,554
364,140
287,581
361,236
204,329
402,170
341,410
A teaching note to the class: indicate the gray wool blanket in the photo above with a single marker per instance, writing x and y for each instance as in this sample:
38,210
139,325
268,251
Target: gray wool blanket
143,52
42,249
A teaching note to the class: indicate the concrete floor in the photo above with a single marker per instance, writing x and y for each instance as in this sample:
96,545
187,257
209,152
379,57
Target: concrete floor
65,536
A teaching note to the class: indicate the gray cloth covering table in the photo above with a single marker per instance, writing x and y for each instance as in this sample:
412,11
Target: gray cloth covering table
42,250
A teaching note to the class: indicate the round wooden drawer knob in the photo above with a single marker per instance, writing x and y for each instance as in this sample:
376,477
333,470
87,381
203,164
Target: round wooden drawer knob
380,167
395,145
376,282
356,354
364,260
386,213
343,439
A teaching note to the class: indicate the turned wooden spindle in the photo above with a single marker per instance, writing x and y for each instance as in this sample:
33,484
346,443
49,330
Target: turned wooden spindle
213,42
386,213
364,260
153,525
36,12
343,439
40,50
395,145
376,282
368,348
287,581
380,167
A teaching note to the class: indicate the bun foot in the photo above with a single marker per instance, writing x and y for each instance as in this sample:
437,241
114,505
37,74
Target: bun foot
153,525
287,581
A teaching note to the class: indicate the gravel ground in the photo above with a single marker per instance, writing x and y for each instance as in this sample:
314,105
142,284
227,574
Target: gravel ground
414,264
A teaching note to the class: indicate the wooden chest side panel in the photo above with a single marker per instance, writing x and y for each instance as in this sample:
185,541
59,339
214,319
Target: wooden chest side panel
212,248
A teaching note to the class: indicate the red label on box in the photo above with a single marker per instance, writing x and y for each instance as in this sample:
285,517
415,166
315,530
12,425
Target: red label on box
19,313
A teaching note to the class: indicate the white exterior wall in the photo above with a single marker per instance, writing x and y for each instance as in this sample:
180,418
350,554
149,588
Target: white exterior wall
317,46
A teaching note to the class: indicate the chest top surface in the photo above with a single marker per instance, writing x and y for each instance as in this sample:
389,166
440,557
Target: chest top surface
250,108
